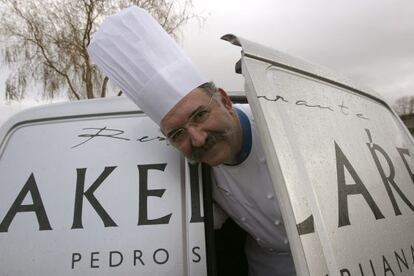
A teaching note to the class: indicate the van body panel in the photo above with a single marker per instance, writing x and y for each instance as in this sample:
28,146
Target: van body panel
341,163
93,188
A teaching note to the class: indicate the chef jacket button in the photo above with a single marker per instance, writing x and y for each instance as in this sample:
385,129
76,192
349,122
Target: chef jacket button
243,219
258,239
271,249
270,196
227,193
277,222
262,160
285,241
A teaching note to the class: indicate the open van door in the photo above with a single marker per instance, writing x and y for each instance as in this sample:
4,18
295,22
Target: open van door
341,162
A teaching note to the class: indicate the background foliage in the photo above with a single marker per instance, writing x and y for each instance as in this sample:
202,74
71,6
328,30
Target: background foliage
45,41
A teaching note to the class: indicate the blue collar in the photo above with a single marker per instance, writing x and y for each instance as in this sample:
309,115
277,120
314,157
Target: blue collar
247,138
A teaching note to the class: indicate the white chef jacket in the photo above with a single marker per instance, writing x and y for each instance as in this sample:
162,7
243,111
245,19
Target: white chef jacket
245,193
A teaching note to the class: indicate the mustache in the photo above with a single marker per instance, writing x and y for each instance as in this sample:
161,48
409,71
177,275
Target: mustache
212,138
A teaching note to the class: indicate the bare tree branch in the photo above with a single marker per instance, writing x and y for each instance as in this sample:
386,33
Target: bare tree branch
404,105
104,84
48,40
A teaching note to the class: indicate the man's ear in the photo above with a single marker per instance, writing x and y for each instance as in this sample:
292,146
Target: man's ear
225,99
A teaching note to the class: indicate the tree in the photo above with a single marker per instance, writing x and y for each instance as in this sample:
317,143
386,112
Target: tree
48,41
404,105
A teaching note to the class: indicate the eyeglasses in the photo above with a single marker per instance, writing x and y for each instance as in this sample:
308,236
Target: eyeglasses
199,116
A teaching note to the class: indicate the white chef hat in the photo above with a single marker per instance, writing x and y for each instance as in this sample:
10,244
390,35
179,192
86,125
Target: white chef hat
135,52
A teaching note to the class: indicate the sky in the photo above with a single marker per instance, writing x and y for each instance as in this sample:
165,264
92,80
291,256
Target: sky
369,41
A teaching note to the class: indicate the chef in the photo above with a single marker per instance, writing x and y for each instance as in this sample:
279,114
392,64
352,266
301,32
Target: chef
197,118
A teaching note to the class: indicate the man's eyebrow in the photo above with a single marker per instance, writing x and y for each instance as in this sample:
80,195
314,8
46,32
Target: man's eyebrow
172,132
195,111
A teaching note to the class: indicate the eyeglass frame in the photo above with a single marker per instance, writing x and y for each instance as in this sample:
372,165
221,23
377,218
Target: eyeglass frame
191,121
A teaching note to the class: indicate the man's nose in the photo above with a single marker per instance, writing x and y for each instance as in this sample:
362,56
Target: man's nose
197,135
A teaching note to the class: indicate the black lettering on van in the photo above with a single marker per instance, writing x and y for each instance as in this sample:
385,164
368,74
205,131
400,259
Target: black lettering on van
402,260
144,193
412,253
306,227
344,190
275,99
402,153
361,116
343,108
160,260
94,260
196,254
37,207
76,257
101,132
387,180
345,272
80,184
120,258
137,256
195,194
372,269
305,103
387,267
146,138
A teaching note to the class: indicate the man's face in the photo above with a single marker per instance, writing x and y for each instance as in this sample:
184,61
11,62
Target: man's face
204,128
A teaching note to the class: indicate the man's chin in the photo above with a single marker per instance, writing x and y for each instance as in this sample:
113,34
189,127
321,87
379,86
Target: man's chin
209,161
215,156
213,163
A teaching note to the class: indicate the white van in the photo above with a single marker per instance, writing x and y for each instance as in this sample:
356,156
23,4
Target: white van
93,188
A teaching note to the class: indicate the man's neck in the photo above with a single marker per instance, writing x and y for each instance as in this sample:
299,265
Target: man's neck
245,135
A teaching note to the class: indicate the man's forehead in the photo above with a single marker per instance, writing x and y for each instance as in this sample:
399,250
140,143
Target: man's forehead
196,96
183,109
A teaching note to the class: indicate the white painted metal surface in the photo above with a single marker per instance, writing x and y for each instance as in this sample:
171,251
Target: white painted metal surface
92,188
339,157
